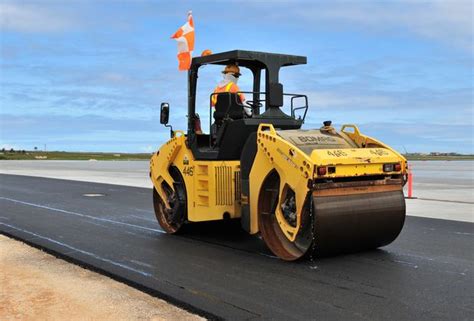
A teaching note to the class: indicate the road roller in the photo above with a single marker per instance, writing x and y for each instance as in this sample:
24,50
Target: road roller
305,192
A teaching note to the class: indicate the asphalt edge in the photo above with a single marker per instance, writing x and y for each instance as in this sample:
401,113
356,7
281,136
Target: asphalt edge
154,293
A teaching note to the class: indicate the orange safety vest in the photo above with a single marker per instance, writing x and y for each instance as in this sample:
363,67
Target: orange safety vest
229,88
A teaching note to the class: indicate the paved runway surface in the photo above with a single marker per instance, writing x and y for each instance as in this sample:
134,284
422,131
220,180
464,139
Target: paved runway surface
444,189
216,269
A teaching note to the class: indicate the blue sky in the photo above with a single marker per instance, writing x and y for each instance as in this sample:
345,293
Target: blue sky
90,75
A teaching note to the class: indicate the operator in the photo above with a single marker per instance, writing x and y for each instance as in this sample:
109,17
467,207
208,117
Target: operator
229,84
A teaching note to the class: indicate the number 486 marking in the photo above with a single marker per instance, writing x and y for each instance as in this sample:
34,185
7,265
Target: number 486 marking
337,153
188,170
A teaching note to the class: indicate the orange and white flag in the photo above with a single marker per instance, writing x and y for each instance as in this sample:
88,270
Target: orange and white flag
185,38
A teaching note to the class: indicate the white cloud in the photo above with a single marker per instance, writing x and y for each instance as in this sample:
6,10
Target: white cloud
33,18
326,99
448,21
147,148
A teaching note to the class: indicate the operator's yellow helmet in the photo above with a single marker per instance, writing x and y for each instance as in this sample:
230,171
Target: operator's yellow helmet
234,69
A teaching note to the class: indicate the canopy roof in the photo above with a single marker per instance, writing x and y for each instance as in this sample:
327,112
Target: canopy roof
249,59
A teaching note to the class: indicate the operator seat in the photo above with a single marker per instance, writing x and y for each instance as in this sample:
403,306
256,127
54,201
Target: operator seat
228,105
228,108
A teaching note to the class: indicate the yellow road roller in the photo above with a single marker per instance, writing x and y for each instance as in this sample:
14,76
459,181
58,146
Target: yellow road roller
305,191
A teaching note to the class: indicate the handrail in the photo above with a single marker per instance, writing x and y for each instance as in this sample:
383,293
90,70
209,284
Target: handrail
292,104
293,109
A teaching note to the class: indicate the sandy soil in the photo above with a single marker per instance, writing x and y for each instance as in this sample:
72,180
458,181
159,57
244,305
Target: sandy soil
37,286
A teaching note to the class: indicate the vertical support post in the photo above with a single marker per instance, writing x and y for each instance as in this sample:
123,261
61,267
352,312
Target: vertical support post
256,88
273,89
192,79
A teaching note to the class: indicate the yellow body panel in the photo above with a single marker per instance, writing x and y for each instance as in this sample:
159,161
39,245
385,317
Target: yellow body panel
297,170
216,190
355,162
292,165
212,187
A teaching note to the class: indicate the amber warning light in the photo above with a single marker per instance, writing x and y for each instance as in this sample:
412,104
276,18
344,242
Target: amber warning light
392,167
321,170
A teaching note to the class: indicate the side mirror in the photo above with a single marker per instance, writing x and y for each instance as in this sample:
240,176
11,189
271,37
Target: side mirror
164,113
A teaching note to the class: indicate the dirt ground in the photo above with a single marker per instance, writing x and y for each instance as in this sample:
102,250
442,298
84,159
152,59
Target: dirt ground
37,286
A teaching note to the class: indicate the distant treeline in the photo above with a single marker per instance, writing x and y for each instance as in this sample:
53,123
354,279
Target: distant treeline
12,154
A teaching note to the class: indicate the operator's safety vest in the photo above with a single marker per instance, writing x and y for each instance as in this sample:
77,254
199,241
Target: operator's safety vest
229,88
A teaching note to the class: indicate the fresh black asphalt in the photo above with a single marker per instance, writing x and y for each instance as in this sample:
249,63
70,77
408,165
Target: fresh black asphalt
220,272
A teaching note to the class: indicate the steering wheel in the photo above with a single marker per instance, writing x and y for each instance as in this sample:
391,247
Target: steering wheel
253,105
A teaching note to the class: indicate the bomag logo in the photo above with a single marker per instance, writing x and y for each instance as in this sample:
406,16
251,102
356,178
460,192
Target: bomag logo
321,140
